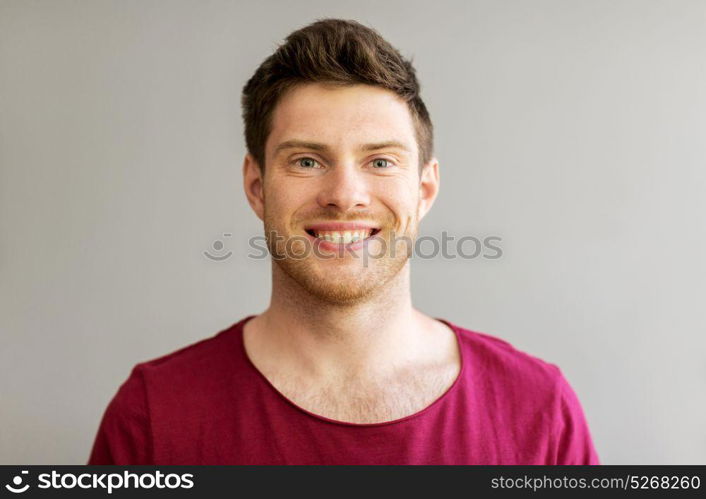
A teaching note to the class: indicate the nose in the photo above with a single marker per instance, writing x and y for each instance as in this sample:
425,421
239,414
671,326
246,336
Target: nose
345,187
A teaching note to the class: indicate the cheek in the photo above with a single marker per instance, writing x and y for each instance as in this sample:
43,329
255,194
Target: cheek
401,203
403,196
284,200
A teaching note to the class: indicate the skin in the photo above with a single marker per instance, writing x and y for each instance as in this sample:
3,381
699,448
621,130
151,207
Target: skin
340,337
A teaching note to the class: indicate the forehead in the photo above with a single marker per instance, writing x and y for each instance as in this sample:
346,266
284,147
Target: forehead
341,116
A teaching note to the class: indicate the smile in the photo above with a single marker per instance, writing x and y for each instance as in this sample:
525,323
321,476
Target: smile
342,237
336,235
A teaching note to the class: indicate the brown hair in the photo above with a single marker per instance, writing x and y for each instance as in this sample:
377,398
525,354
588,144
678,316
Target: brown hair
331,51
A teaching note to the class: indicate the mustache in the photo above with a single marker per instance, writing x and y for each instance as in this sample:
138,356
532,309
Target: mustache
337,216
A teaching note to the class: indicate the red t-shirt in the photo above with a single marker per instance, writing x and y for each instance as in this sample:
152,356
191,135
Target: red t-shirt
207,404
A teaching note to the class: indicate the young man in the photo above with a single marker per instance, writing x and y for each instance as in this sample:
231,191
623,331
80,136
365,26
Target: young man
341,368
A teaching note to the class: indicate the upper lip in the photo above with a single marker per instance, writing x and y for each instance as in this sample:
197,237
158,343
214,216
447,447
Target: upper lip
340,226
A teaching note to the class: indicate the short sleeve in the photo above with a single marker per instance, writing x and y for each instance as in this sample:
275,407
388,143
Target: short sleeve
124,433
573,442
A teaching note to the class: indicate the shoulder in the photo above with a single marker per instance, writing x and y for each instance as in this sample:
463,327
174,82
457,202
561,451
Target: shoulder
154,388
499,361
191,376
187,366
528,388
194,360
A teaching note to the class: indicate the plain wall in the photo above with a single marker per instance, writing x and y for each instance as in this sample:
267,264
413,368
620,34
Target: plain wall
573,130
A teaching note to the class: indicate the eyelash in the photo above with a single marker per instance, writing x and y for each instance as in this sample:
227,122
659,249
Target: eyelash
296,161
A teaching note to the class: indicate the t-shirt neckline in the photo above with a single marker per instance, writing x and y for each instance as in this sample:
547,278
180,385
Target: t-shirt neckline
240,327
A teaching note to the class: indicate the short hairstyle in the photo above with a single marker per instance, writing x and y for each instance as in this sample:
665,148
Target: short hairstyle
335,51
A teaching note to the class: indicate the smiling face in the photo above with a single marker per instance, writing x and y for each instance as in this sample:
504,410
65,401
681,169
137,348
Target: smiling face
342,178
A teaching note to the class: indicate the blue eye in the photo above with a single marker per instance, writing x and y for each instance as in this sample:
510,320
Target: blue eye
377,163
306,162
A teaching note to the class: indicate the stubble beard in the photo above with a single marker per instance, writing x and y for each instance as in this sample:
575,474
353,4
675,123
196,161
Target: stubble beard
358,280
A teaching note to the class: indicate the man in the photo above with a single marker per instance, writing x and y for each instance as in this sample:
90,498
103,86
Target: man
341,368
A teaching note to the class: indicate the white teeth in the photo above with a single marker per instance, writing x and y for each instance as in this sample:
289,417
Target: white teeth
344,237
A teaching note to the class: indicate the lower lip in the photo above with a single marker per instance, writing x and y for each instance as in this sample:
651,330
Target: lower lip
336,247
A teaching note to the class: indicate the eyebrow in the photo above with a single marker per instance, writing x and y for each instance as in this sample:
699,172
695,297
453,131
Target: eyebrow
316,146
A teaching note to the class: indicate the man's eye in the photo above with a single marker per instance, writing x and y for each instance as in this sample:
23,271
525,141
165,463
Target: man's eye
306,162
381,163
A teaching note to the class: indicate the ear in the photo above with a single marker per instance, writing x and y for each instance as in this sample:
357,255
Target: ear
428,187
253,183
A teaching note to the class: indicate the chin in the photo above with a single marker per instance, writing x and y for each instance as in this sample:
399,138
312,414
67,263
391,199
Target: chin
341,296
340,288
344,286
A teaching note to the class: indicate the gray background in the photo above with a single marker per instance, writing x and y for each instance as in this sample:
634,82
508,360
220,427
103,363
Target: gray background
574,130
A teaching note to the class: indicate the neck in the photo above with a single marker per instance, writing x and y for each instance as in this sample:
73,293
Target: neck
320,339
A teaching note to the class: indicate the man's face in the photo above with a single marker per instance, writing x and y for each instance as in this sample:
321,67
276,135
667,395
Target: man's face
342,155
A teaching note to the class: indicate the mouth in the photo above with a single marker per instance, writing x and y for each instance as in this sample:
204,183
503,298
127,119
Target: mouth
343,236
